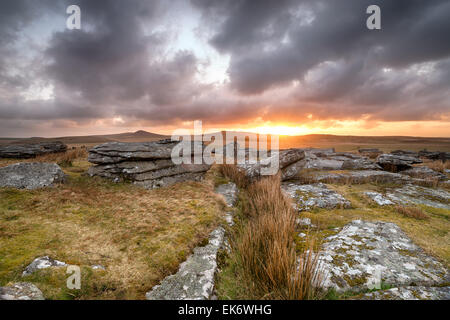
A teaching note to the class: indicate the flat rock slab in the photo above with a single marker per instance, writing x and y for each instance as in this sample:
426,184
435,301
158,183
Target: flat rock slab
170,180
115,152
379,198
364,253
26,151
438,198
31,175
308,196
21,291
42,263
424,172
195,277
412,194
409,293
229,191
359,177
397,162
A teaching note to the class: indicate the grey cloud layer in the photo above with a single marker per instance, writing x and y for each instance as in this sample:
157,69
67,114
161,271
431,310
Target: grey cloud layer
117,64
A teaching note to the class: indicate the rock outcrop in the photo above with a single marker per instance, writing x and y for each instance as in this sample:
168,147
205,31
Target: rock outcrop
365,253
147,164
434,155
424,172
31,175
397,162
26,151
412,195
285,159
405,153
327,159
21,291
306,196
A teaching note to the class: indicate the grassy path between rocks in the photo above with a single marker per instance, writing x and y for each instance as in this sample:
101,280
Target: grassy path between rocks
262,261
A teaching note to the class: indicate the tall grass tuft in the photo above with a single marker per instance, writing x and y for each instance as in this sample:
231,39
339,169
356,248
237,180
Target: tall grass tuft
412,212
264,246
439,165
64,159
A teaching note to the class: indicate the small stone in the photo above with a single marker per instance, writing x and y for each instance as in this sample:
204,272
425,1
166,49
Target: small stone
229,191
303,222
98,267
379,198
42,263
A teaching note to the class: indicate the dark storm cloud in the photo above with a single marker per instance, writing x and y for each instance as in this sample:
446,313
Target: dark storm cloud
118,65
318,32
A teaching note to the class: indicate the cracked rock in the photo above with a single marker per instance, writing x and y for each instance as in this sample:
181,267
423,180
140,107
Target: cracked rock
308,196
21,291
365,253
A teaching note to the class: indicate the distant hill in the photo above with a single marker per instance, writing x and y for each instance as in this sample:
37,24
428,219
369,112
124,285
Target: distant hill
340,143
138,136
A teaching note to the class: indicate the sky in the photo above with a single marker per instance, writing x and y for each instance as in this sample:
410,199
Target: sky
269,66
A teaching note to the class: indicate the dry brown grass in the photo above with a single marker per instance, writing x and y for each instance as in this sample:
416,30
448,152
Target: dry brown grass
64,159
139,235
412,212
232,172
264,247
438,165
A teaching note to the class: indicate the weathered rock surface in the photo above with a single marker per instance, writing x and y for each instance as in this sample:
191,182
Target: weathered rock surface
308,196
285,158
31,175
170,180
364,253
359,177
380,199
327,159
405,153
338,161
409,293
396,162
195,277
229,191
21,291
26,151
42,263
435,155
115,152
412,194
147,164
424,172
